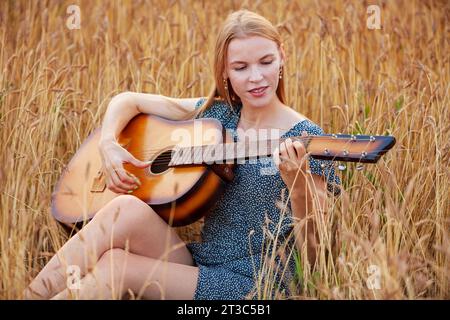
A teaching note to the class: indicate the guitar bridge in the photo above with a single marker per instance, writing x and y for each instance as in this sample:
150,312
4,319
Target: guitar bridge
98,184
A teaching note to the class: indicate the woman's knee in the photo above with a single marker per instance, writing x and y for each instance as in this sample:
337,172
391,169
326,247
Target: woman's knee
124,216
112,267
114,257
113,261
126,208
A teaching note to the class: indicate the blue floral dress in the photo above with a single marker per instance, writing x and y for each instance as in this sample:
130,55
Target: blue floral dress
242,234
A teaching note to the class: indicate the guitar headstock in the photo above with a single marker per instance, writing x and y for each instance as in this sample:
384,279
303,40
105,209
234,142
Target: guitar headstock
349,147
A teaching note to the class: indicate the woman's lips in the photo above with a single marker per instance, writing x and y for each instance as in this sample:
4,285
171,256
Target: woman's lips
258,94
264,87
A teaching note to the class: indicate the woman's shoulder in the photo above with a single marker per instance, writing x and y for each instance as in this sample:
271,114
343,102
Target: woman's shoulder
312,128
308,125
219,108
217,102
299,122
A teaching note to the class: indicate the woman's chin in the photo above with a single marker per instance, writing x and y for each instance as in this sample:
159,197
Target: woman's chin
260,101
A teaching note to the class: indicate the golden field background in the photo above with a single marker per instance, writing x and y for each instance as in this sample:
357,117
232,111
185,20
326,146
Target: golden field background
55,85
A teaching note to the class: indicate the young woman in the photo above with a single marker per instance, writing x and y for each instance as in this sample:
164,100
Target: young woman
120,250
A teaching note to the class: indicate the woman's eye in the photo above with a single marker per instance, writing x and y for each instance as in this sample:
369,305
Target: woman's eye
242,68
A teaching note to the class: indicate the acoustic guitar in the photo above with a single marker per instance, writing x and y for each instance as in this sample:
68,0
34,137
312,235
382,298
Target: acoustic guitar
191,161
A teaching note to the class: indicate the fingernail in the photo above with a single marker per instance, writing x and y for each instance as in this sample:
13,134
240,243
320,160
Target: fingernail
135,187
129,191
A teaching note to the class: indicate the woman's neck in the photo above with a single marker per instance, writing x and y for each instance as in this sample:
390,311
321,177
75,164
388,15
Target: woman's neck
260,117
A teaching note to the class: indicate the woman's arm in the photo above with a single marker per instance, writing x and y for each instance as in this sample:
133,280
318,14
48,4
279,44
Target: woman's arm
307,205
308,193
124,106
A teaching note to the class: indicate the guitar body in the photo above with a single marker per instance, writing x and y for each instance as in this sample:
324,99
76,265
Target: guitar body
180,195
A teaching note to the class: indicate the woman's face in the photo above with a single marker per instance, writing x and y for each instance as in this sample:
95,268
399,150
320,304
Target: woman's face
254,62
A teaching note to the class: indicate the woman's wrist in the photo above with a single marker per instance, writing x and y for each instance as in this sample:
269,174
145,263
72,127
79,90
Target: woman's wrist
106,140
299,192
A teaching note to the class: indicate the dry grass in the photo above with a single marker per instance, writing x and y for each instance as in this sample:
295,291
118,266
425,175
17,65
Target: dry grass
55,84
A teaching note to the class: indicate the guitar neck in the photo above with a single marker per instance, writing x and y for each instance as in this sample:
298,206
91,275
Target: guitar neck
337,147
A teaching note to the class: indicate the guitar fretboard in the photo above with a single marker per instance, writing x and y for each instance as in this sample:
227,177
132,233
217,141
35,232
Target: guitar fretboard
335,147
228,152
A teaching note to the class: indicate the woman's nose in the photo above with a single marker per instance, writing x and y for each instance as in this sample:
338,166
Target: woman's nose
255,74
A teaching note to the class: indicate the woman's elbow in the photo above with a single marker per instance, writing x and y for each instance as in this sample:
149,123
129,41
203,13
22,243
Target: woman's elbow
125,98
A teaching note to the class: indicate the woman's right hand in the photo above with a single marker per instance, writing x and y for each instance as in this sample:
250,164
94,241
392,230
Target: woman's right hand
113,156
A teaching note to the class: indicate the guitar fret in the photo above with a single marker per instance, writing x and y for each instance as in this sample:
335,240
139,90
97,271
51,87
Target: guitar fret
187,159
193,152
253,149
218,154
192,157
203,153
173,158
209,154
230,152
198,159
240,153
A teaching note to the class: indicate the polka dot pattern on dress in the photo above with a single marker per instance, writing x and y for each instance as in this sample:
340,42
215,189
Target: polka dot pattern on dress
246,224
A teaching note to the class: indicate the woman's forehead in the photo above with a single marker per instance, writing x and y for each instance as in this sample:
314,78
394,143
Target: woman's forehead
250,48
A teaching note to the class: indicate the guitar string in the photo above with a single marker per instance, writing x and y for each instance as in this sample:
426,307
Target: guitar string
147,151
164,158
227,143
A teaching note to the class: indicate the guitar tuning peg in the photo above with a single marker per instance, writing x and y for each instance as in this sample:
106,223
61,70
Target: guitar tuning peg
359,166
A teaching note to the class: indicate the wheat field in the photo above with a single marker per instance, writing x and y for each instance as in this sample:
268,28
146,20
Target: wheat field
391,221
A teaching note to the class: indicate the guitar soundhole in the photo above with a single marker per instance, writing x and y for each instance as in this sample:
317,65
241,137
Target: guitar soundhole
161,162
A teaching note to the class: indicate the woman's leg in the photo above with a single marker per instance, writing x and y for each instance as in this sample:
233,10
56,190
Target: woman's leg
124,221
117,272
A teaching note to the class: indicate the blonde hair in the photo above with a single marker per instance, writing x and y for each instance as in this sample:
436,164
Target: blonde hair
239,24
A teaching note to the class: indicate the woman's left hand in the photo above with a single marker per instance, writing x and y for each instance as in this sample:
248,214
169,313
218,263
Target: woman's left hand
289,158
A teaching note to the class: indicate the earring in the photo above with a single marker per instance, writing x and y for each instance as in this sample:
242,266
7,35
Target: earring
281,71
225,84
